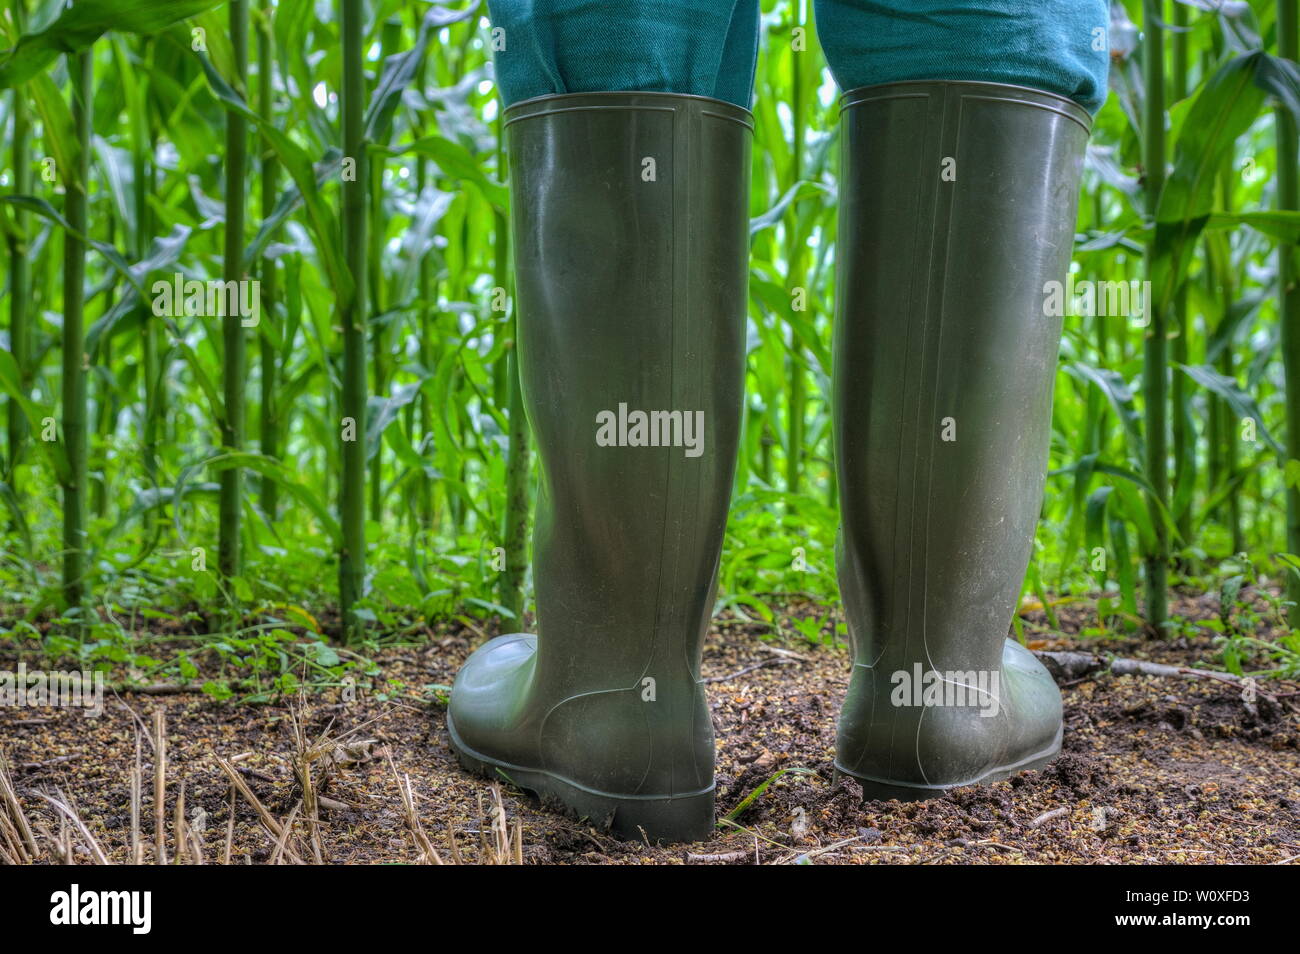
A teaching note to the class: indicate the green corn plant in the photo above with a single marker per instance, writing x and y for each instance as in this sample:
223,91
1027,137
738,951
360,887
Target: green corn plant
795,277
352,498
425,291
1183,432
104,406
381,332
77,186
1288,200
142,177
269,422
235,356
1222,464
79,25
19,275
1155,369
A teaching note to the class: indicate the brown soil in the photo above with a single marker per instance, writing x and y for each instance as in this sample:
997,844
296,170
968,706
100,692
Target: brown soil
1153,771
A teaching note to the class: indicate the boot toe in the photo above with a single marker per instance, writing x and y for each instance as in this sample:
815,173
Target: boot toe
1036,702
489,690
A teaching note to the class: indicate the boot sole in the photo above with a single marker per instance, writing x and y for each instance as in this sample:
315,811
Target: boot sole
650,818
878,789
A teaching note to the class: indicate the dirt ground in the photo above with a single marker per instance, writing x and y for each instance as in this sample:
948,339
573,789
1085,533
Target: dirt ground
1153,770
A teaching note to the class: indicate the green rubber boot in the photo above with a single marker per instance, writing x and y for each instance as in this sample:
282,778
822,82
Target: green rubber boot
631,252
957,208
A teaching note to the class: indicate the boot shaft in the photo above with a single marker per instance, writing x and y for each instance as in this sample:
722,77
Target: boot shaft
957,206
630,241
630,228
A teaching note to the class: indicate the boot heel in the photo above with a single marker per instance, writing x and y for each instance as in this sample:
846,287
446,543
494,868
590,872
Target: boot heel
878,790
684,818
666,819
874,789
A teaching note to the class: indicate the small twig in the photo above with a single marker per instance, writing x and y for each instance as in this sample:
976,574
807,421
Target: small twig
1048,816
178,826
196,846
500,827
725,856
818,851
428,855
304,755
230,830
160,689
1071,666
66,811
32,766
274,827
160,785
15,810
878,848
136,781
748,669
995,844
468,624
281,845
453,849
253,773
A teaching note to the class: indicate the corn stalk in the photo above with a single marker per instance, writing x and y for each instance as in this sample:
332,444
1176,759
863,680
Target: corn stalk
1288,199
352,558
77,184
1155,367
235,357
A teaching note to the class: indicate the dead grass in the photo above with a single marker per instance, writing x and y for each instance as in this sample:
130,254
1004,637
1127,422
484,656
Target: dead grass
295,838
